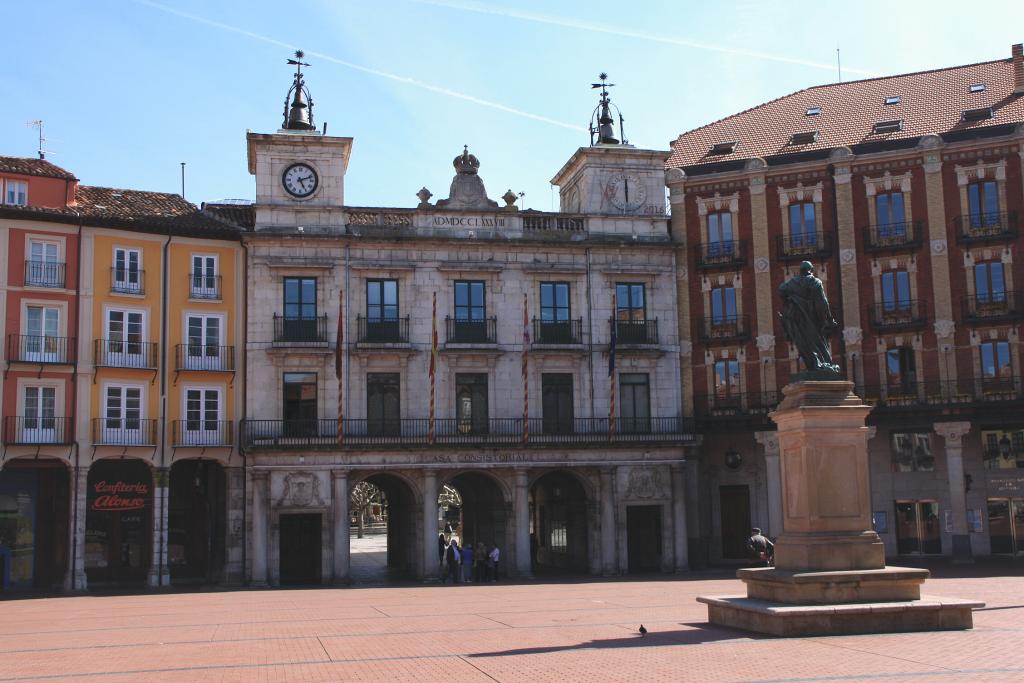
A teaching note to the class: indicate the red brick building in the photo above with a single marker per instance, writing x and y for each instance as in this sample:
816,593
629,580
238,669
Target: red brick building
905,192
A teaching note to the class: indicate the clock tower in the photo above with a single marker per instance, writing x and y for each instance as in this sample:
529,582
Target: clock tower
611,176
300,172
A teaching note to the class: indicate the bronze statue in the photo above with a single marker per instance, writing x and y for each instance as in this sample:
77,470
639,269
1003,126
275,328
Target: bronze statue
807,322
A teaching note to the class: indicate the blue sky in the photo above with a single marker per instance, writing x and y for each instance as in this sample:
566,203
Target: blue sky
128,89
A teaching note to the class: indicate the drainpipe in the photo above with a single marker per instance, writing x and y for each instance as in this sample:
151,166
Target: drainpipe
165,280
74,387
245,406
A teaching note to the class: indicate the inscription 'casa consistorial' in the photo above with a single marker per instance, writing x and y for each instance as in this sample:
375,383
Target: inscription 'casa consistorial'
478,457
469,222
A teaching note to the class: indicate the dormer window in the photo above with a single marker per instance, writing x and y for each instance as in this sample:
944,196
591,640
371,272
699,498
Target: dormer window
892,99
977,87
979,114
723,148
813,111
888,126
804,138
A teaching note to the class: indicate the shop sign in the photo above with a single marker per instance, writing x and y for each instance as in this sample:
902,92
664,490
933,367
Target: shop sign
115,496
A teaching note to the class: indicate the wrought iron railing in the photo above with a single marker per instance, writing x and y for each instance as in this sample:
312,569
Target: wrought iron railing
202,433
482,331
124,431
28,348
890,237
993,307
118,353
127,281
308,331
205,357
725,328
901,314
44,274
728,254
558,332
636,332
37,430
799,246
731,405
988,226
284,434
382,330
202,286
941,394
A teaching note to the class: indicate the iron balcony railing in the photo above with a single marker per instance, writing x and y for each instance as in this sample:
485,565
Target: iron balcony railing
117,353
202,286
993,307
448,432
728,254
904,314
725,328
726,406
307,331
382,330
987,226
558,332
202,433
204,357
44,274
800,246
127,281
482,331
45,350
108,431
635,332
939,394
38,430
893,237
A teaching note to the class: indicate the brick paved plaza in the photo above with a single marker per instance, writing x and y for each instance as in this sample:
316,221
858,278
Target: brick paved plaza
564,631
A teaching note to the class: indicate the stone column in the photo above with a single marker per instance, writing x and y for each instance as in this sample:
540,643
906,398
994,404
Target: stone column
938,251
609,551
773,478
234,571
159,576
953,434
342,519
431,567
521,512
680,542
260,512
764,316
75,579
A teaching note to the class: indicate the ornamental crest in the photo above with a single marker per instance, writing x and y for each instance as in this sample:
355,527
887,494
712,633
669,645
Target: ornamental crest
644,483
301,489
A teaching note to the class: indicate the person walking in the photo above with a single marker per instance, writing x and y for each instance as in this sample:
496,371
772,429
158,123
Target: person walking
493,562
480,563
761,550
453,560
466,568
442,546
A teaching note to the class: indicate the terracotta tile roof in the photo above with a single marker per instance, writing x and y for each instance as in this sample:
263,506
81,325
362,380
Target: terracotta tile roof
237,213
929,102
31,166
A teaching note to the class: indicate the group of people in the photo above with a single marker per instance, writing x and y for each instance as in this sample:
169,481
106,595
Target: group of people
467,563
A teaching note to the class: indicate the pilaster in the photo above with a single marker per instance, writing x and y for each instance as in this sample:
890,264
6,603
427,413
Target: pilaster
159,576
953,433
260,513
234,571
609,551
339,495
430,565
680,542
847,246
769,441
521,514
938,252
75,579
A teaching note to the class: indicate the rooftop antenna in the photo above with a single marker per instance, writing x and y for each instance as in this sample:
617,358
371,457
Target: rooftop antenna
38,123
839,66
183,180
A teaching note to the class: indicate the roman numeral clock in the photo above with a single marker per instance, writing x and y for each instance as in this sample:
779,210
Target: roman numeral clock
625,192
300,180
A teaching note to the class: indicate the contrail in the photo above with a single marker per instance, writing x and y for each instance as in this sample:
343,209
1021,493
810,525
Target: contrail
365,69
625,33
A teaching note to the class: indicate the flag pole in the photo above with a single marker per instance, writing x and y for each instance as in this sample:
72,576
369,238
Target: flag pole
526,376
611,369
339,366
433,367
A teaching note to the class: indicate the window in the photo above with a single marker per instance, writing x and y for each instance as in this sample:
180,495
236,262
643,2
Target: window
44,268
979,114
912,452
204,283
976,87
41,329
300,321
1006,525
124,347
39,423
122,414
555,313
983,203
204,349
17,193
634,403
471,403
557,404
630,313
383,413
813,111
382,311
723,148
900,371
723,305
127,275
720,237
727,377
917,527
989,285
470,324
804,138
803,225
202,416
996,371
300,409
895,290
890,215
890,126
1003,449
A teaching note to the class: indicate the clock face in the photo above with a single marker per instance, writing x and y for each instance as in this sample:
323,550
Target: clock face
626,192
300,180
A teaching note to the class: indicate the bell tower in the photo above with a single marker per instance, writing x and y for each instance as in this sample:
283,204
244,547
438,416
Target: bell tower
300,171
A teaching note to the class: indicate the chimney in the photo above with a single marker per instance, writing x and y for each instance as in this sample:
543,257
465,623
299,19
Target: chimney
1018,68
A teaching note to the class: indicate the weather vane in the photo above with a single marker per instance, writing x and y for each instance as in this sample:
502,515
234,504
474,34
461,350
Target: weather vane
601,121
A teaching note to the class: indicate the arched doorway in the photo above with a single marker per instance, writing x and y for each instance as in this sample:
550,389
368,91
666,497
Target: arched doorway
34,520
477,515
196,522
383,534
118,522
559,534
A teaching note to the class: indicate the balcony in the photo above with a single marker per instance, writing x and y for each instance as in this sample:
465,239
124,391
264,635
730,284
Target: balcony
908,314
202,433
451,432
206,287
721,255
993,308
116,353
37,431
44,274
127,281
558,332
636,332
382,330
804,246
735,406
725,329
893,238
300,331
26,348
124,432
471,331
983,396
204,358
986,227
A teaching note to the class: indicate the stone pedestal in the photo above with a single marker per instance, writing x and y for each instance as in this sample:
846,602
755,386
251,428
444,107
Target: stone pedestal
830,575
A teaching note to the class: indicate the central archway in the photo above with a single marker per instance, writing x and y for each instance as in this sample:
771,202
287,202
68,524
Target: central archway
383,534
481,518
559,533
